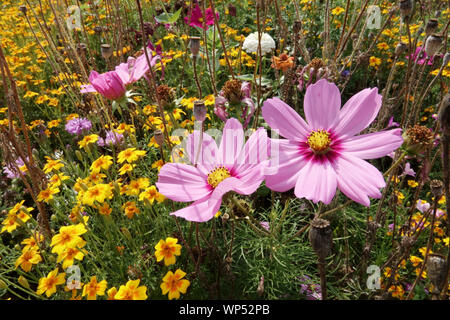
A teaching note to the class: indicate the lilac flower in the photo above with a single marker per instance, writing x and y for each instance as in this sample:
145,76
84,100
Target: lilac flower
422,206
392,123
78,126
265,225
112,138
311,290
10,170
407,171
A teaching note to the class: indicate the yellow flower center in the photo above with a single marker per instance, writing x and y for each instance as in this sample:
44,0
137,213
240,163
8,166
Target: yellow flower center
217,176
319,141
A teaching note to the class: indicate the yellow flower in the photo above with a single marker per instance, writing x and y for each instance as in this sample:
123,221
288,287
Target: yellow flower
32,242
68,237
94,288
102,163
158,164
382,46
174,284
151,194
374,61
28,258
167,250
97,193
47,194
397,291
415,260
130,155
52,165
48,284
112,293
412,183
127,167
87,140
337,11
69,254
135,186
131,291
10,223
131,209
105,209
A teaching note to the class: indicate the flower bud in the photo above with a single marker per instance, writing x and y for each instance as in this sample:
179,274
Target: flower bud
199,110
126,233
321,237
232,10
23,9
406,8
3,285
433,44
194,45
431,27
159,137
260,290
444,117
78,155
436,271
446,59
23,282
436,187
106,50
400,48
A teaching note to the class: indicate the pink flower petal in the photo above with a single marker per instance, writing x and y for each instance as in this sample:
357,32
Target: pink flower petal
182,182
358,112
316,182
209,153
281,117
232,142
321,104
86,88
286,164
256,150
358,179
373,145
200,211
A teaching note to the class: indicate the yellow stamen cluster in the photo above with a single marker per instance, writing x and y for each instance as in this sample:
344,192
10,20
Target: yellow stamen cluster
319,141
217,175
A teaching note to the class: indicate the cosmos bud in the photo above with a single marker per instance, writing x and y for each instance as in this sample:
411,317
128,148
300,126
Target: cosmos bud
106,50
436,271
194,45
159,137
199,110
431,27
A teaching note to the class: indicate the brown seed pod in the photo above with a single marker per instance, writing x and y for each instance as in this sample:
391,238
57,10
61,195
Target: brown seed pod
436,270
321,237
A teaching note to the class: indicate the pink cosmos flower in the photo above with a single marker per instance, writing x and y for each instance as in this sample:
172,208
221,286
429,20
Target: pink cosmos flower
323,153
420,57
108,84
196,17
232,166
112,84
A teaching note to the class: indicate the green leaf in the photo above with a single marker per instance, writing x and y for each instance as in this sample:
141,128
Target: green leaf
168,18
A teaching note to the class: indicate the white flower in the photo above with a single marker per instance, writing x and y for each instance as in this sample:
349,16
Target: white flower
251,43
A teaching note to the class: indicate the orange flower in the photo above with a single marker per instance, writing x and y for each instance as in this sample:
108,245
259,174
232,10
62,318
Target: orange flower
283,62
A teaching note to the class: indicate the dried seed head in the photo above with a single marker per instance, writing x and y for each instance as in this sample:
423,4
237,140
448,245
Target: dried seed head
165,94
194,45
433,44
417,139
436,271
225,217
431,26
436,187
297,26
321,237
406,8
446,59
400,48
159,137
199,110
23,9
444,117
232,10
134,273
106,50
232,90
98,29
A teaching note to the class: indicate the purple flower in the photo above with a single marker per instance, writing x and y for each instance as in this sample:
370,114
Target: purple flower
408,171
265,225
392,123
311,290
196,17
78,126
112,138
10,170
420,57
